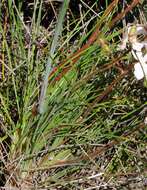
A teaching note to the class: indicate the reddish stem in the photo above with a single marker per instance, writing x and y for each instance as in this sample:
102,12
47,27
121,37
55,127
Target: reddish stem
73,58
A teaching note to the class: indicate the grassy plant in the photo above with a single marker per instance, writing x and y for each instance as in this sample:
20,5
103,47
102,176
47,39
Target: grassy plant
94,119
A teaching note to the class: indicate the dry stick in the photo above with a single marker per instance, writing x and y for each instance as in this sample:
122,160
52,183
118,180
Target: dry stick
73,58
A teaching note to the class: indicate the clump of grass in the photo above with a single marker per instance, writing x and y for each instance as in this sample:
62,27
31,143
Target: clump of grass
93,124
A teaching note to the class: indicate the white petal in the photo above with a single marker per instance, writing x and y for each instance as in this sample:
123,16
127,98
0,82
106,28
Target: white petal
141,30
145,58
140,57
139,71
137,46
145,121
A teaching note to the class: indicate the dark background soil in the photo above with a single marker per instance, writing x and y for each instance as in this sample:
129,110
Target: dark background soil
48,14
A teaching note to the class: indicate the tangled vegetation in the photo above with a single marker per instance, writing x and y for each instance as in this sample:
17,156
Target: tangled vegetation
73,115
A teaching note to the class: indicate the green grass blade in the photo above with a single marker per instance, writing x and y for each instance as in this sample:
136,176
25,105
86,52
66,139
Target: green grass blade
52,54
